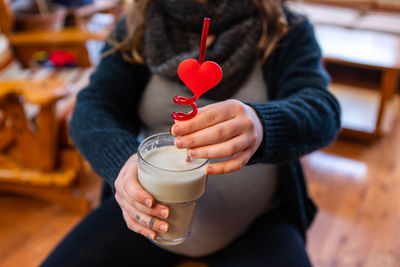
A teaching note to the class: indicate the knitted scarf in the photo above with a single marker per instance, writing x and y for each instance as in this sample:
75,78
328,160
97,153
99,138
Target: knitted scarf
173,33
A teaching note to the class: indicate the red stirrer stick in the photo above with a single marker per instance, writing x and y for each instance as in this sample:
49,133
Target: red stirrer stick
206,26
181,100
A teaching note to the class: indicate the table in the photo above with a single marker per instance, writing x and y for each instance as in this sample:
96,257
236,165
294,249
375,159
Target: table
371,51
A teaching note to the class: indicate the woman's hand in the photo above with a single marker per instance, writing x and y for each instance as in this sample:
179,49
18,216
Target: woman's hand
224,129
138,206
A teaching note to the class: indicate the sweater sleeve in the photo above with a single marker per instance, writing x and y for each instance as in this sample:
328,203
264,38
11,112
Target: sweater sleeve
102,127
302,115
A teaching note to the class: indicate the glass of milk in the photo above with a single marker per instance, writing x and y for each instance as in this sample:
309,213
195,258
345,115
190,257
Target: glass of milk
164,172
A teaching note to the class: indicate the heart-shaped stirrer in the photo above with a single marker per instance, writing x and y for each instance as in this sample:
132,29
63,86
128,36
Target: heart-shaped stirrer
198,76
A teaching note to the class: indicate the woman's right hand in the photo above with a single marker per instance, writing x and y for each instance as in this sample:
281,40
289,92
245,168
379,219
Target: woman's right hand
138,206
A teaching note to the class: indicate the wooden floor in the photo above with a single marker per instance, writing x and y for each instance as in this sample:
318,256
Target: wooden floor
356,186
30,229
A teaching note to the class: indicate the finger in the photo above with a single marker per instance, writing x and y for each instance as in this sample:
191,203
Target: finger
137,227
134,191
211,135
147,220
206,117
221,150
157,210
151,222
235,163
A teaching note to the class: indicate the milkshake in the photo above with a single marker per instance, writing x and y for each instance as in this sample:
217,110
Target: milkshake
164,172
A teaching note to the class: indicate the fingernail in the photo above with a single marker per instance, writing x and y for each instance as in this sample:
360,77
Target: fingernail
151,236
163,228
178,143
148,202
164,213
193,153
209,170
170,130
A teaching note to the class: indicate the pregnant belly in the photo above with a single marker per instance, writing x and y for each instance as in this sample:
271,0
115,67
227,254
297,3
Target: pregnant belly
229,205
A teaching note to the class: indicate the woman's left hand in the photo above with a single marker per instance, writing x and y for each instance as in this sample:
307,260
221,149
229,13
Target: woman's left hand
224,129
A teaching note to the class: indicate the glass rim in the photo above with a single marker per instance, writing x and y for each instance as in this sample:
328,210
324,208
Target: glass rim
162,169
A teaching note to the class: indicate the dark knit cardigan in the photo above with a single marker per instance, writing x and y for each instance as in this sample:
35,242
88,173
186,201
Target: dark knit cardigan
301,116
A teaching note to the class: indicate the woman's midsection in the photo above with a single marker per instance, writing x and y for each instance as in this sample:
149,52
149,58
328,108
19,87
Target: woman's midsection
231,202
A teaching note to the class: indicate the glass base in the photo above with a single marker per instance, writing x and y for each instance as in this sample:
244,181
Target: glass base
170,242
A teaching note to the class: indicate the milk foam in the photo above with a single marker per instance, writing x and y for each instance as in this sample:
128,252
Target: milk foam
172,159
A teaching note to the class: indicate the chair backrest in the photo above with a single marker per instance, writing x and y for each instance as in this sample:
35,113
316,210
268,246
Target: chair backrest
6,17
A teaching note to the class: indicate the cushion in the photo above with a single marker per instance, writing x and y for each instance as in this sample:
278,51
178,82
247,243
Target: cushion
380,21
327,14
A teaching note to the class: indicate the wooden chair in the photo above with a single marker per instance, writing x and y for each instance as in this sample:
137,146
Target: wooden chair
25,44
6,55
32,162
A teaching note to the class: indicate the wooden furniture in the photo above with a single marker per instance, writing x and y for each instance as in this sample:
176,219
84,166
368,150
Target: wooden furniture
35,157
361,48
6,55
373,18
26,44
82,15
33,145
389,5
380,21
30,159
366,50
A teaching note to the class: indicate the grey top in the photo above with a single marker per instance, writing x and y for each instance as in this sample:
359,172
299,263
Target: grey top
232,201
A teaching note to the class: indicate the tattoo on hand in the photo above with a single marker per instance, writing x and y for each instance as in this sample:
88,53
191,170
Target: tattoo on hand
137,218
152,222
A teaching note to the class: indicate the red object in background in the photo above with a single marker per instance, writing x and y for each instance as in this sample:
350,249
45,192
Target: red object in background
198,76
62,59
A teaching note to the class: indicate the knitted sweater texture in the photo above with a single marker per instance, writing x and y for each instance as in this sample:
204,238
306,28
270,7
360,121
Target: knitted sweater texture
301,116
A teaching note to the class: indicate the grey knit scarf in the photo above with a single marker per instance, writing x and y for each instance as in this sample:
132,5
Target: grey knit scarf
173,33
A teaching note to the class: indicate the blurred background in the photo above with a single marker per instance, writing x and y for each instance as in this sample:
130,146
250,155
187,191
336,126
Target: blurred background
47,53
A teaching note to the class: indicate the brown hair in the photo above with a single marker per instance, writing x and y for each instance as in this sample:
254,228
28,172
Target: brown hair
274,25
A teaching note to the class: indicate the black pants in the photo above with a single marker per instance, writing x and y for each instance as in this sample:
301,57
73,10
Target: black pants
102,239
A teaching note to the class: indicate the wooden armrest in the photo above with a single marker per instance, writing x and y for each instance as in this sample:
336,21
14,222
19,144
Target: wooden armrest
40,92
66,36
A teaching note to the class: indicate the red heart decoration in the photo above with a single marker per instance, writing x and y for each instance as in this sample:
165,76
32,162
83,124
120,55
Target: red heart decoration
199,78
